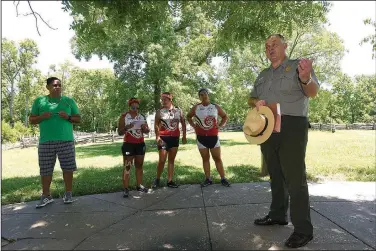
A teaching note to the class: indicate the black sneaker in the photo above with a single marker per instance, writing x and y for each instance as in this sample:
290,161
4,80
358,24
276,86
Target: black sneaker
142,189
225,182
67,198
206,182
125,193
156,183
172,184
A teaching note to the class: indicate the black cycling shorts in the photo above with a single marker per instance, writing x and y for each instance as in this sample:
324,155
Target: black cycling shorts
133,149
169,142
207,142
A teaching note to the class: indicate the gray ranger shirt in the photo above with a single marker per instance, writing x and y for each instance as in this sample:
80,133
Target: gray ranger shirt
281,85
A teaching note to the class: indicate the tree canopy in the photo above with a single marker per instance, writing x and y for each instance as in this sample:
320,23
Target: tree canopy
180,46
159,45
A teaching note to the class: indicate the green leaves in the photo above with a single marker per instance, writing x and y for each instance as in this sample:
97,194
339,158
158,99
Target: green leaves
17,61
355,99
325,48
158,44
371,38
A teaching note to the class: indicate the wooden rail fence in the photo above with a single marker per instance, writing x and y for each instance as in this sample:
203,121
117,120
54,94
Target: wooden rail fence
86,138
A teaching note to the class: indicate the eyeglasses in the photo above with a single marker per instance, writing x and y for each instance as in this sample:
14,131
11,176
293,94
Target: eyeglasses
56,85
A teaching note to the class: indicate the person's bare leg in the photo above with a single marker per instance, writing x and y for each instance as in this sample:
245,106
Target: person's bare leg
46,183
216,155
127,161
68,180
171,162
205,155
139,162
161,162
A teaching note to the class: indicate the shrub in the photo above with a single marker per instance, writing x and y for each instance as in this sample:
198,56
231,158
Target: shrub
8,134
22,130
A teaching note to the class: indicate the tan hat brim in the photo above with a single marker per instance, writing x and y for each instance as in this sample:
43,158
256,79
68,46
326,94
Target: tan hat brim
267,112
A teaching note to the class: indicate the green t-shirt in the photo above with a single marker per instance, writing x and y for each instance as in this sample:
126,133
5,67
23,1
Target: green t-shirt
55,128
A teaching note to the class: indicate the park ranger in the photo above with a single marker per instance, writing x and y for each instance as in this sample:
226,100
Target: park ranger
290,83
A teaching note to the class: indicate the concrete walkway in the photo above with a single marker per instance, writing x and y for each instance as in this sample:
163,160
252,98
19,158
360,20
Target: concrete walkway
191,217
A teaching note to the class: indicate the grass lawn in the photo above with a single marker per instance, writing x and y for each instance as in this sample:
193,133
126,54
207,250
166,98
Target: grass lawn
343,155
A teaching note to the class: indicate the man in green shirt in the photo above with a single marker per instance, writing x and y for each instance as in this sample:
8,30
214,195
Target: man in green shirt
55,115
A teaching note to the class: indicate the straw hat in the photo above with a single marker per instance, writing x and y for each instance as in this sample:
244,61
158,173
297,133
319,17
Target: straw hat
258,125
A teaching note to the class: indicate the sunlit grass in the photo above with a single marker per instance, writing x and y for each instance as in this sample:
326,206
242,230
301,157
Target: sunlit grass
343,155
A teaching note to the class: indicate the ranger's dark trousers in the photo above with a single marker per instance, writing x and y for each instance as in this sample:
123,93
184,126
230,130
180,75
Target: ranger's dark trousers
285,158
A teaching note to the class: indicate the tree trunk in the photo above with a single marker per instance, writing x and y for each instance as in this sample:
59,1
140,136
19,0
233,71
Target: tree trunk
93,123
11,100
352,114
26,110
157,94
294,44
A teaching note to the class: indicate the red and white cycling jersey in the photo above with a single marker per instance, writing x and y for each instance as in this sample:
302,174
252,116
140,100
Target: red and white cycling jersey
134,134
170,119
206,117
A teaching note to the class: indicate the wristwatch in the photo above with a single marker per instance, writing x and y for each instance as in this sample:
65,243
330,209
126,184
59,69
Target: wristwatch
70,118
306,83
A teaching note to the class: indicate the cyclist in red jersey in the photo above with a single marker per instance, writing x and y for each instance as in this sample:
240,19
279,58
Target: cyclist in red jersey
167,135
133,125
205,116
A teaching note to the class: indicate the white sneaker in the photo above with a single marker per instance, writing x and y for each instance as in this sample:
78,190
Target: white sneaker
44,200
